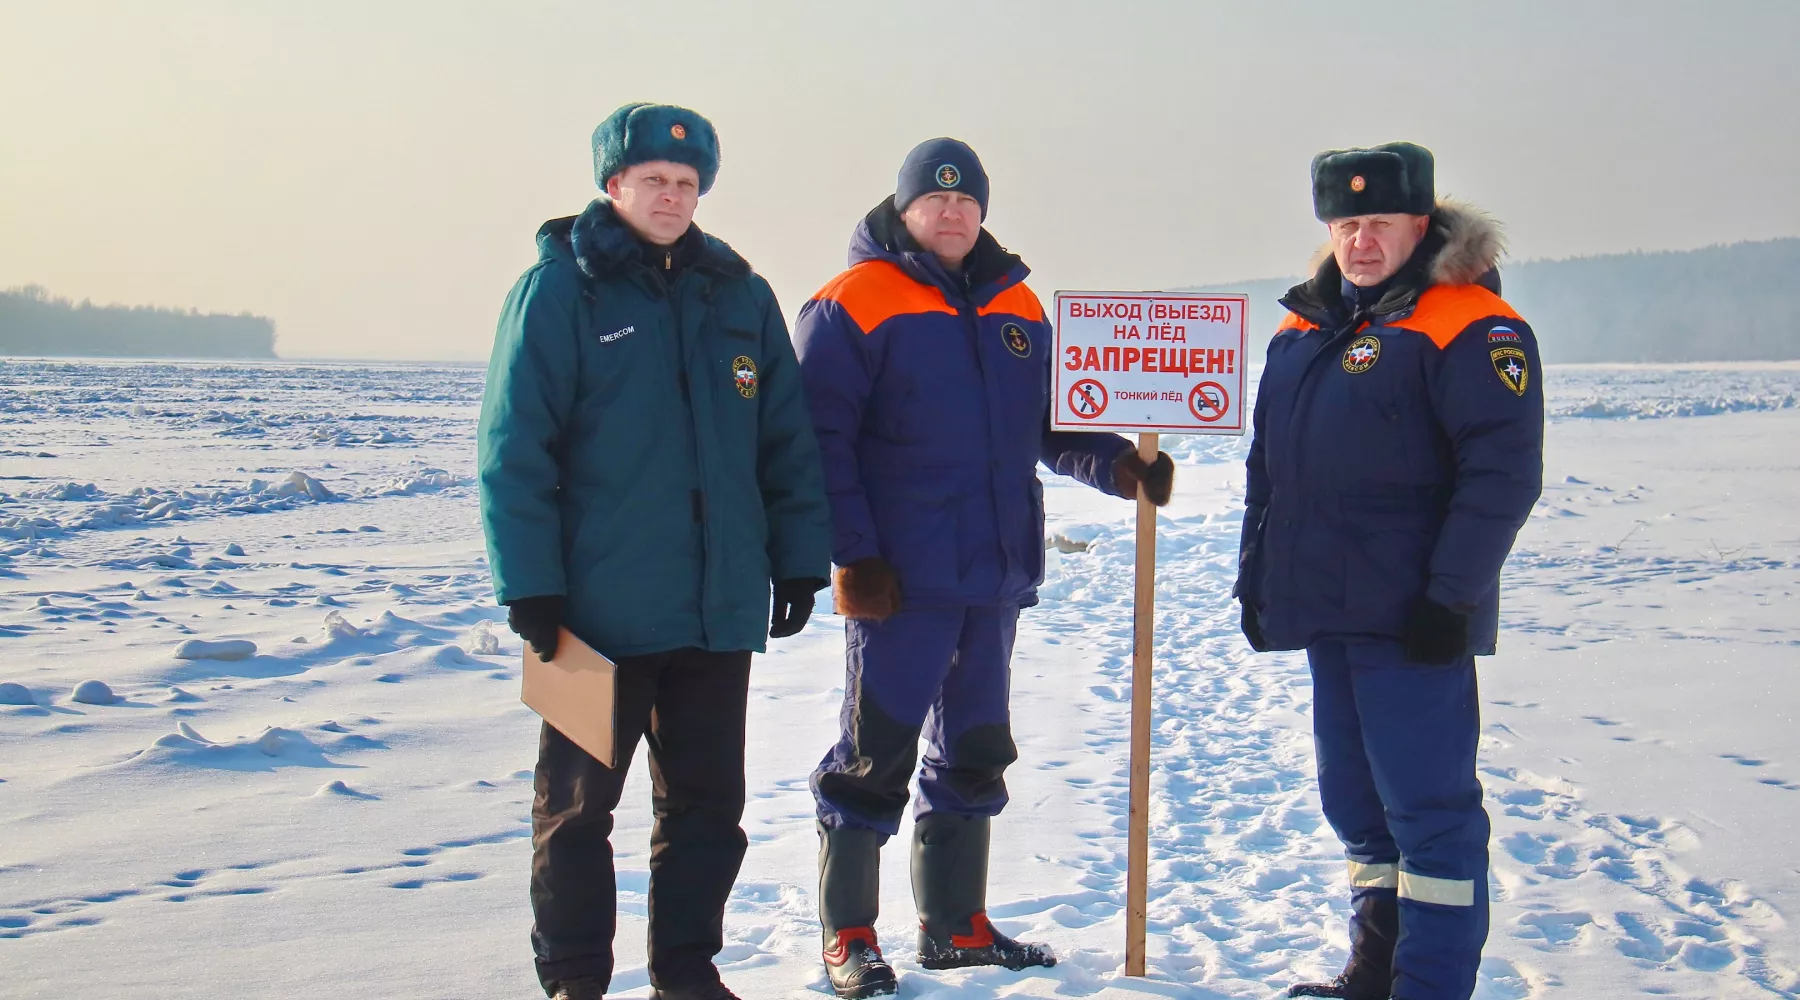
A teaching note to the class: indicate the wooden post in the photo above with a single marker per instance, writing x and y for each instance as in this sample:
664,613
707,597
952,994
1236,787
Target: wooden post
1137,877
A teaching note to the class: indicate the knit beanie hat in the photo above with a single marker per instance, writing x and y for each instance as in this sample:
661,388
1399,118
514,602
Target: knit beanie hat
941,165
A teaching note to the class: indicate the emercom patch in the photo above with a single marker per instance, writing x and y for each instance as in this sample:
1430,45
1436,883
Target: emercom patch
744,375
1362,355
1513,369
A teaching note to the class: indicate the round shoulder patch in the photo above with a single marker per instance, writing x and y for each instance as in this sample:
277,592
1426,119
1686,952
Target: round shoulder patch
744,376
1362,355
1016,340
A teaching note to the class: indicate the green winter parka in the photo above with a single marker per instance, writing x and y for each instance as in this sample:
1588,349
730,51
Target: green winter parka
645,447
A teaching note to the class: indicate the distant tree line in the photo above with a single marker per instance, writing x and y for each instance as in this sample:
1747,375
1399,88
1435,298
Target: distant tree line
32,323
1720,303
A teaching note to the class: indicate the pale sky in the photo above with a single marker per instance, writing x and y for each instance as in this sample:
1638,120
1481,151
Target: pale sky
370,174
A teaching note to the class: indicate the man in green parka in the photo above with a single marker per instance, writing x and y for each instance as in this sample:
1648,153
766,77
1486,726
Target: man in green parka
648,471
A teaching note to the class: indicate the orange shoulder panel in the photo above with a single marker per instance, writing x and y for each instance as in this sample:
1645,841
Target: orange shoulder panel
1445,311
1017,301
1294,322
876,291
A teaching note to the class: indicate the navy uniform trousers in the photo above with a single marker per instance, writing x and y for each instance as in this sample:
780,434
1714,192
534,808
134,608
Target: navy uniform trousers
1396,746
945,672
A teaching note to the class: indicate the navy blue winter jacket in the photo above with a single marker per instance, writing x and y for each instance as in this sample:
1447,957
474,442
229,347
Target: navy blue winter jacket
930,396
1398,449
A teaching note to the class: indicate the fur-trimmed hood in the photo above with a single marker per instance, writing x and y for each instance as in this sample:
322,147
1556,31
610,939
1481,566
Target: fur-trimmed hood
1463,246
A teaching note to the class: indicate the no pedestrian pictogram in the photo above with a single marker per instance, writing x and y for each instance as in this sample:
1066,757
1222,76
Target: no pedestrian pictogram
1209,401
1087,398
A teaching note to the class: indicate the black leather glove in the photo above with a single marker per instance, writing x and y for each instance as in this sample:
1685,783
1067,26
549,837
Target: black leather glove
793,605
1435,634
1158,477
1252,623
537,621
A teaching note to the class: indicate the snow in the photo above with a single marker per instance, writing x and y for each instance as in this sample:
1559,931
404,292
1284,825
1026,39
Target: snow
223,649
346,807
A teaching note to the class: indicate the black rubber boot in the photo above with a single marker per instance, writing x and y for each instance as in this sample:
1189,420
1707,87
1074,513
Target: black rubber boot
1374,928
949,872
849,895
580,989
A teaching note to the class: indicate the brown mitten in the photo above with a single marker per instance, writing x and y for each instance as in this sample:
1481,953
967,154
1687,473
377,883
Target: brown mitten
867,590
1157,478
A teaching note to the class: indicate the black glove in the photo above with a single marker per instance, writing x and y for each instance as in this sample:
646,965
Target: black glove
1435,634
793,605
1252,623
1158,477
537,621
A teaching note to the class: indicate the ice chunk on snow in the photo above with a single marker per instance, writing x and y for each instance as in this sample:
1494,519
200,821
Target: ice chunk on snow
299,482
482,640
338,789
15,694
339,627
93,693
276,741
222,649
234,549
422,481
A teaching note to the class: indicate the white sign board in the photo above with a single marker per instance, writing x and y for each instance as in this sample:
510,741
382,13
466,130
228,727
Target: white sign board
1149,362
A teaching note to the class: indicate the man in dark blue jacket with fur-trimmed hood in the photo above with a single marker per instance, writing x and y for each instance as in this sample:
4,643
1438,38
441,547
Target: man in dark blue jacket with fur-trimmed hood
1398,449
927,366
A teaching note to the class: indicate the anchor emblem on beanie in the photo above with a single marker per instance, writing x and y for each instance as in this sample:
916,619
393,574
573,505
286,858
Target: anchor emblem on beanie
948,176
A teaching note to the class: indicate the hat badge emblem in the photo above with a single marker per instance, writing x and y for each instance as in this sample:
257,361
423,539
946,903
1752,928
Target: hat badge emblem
1357,183
948,176
678,130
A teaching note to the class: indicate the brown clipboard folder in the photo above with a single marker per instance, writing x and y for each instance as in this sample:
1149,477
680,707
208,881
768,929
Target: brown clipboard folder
575,692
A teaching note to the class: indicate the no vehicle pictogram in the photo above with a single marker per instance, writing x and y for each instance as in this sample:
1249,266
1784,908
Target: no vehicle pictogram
1209,401
1087,398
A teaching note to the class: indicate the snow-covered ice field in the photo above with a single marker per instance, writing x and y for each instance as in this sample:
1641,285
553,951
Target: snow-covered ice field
341,808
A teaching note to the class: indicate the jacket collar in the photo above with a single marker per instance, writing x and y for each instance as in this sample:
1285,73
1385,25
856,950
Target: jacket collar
602,246
989,270
1463,246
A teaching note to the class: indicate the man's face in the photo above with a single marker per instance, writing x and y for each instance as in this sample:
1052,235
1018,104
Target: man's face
945,223
657,199
1370,248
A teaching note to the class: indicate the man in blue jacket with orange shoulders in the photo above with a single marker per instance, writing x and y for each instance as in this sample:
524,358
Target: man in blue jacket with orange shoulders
927,366
1398,449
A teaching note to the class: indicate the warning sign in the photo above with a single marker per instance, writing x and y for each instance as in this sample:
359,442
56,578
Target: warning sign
1150,362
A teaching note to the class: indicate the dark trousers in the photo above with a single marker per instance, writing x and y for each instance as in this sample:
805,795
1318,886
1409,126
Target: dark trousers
1396,744
943,672
688,705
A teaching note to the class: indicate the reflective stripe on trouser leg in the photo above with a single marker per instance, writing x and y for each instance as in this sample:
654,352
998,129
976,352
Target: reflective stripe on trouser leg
1442,891
1374,876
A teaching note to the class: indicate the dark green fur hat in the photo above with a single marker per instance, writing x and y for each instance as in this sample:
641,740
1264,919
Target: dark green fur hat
642,133
1392,177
